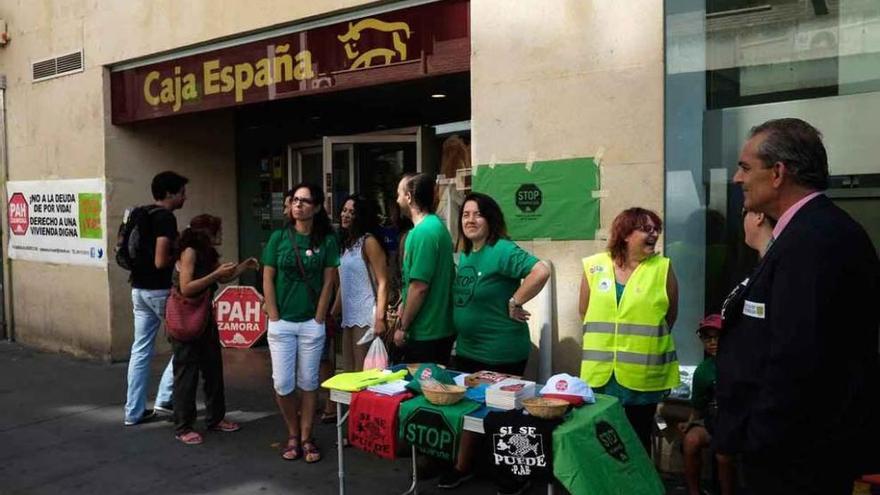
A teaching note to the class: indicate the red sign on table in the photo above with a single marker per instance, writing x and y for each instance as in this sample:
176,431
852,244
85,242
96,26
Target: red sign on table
19,214
240,319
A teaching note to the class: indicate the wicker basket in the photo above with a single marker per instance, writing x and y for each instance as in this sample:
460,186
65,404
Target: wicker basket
452,394
545,407
413,367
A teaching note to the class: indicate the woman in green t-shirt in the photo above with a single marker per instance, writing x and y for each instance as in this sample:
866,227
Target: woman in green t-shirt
300,269
495,277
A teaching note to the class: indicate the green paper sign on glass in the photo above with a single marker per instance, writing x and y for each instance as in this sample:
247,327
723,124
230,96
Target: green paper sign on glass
551,200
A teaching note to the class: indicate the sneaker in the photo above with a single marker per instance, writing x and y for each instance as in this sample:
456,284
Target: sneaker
453,478
148,414
517,489
166,408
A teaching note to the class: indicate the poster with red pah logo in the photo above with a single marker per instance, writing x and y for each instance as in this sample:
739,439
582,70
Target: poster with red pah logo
57,221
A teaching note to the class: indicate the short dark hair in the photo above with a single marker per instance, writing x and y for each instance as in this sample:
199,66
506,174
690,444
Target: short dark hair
799,146
489,210
421,187
166,183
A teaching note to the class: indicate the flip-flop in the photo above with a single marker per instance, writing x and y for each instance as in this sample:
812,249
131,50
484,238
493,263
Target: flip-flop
225,426
310,451
292,452
190,438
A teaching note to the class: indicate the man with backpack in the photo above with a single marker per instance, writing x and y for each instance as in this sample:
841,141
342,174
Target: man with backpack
146,247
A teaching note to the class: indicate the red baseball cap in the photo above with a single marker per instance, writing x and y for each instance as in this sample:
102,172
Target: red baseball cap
710,321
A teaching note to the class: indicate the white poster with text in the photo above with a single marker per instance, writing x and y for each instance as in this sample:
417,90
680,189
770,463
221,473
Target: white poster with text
58,221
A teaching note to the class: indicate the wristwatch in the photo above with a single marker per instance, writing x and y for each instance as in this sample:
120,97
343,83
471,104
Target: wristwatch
513,302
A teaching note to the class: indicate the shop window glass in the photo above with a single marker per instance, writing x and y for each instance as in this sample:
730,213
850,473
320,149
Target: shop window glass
730,65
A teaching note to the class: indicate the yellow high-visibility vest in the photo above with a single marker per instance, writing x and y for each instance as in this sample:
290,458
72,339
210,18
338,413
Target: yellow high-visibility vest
630,339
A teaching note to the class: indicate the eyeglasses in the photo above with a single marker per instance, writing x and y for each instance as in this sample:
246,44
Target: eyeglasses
297,200
650,229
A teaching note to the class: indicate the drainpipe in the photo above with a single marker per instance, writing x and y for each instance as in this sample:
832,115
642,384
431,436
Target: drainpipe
8,325
545,323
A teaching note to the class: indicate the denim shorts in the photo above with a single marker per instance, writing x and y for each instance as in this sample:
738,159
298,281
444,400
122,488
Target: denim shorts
296,350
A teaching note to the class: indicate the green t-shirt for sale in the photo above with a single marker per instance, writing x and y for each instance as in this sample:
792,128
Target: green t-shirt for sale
296,302
428,257
485,281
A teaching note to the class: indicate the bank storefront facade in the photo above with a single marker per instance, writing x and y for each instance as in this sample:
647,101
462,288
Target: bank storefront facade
623,103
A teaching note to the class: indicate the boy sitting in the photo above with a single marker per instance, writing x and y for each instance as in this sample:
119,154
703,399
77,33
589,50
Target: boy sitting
698,429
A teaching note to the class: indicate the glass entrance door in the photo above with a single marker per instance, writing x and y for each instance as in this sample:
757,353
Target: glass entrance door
370,165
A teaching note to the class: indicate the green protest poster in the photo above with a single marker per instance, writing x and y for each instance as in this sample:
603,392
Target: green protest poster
90,206
549,200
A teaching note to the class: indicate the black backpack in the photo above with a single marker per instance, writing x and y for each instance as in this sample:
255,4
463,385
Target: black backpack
132,240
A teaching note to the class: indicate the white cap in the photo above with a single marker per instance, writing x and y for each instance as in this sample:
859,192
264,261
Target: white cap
570,388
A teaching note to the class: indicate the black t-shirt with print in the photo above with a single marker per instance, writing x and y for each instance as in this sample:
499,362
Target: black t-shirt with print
162,224
521,446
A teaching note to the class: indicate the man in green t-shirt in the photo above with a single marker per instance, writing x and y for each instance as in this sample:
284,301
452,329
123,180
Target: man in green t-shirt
426,331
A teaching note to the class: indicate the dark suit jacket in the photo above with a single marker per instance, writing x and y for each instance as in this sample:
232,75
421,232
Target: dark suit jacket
798,358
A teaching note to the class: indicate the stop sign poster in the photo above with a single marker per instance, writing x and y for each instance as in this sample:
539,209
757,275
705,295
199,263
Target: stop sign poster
240,317
544,200
57,221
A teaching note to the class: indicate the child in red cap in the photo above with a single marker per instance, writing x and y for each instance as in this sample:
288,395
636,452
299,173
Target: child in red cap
698,429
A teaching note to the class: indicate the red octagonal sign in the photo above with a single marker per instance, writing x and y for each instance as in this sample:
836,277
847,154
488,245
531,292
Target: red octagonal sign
239,315
19,214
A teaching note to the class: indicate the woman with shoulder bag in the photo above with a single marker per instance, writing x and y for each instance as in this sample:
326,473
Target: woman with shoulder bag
195,279
300,269
362,298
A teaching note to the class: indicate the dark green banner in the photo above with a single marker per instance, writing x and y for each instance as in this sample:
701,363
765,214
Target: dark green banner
550,200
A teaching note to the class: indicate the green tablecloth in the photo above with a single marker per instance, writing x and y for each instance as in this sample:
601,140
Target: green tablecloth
434,430
596,452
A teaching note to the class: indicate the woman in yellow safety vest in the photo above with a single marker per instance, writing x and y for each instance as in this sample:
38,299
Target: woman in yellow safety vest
629,301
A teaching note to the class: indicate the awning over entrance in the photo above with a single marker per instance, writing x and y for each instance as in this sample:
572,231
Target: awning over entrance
417,42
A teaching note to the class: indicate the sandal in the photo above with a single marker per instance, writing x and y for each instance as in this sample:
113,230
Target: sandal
328,417
189,438
293,451
312,454
225,426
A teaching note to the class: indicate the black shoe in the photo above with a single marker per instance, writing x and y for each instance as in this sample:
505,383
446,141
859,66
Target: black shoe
453,478
148,415
166,408
515,489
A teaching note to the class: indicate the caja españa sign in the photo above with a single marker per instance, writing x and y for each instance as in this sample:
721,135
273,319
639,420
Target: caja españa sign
411,43
239,316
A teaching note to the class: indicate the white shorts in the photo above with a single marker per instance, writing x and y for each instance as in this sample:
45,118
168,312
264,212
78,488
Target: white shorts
296,354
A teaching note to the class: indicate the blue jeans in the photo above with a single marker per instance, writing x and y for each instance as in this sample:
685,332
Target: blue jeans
149,310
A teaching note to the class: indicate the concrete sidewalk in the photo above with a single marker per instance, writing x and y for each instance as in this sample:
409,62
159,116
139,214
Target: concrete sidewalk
61,432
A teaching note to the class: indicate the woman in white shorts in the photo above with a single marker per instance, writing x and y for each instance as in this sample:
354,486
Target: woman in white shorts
300,271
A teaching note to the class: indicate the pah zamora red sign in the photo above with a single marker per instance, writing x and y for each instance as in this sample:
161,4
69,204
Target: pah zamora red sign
240,319
19,214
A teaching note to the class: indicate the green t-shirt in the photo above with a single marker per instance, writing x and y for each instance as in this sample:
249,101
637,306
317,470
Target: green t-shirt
485,281
703,387
296,302
428,257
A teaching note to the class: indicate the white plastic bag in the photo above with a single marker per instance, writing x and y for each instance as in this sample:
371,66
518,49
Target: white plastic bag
377,356
368,337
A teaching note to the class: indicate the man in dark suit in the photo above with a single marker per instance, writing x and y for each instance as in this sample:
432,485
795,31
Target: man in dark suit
798,360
